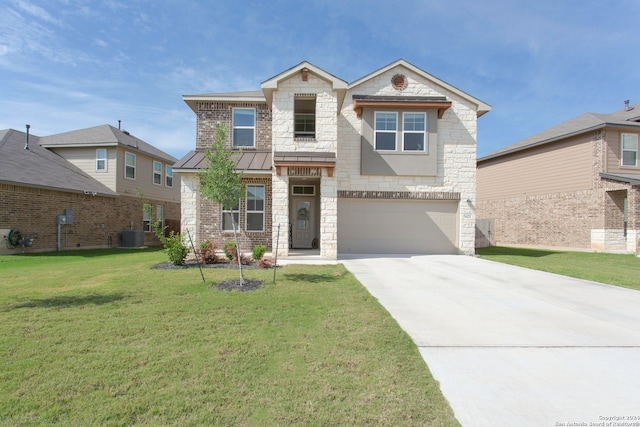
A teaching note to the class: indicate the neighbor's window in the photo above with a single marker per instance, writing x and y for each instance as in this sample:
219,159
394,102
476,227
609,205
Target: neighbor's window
305,117
157,173
413,131
160,216
244,127
386,127
168,176
255,207
130,165
146,217
101,159
629,148
226,217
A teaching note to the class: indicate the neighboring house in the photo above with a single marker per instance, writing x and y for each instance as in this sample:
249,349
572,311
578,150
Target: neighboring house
385,164
92,175
572,186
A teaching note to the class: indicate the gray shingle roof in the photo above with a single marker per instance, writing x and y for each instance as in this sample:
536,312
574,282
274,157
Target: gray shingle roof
581,124
41,168
104,135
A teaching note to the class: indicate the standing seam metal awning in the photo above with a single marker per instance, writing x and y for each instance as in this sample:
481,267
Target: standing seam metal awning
248,161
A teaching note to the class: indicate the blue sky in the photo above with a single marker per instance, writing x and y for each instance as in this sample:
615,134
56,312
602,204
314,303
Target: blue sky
72,64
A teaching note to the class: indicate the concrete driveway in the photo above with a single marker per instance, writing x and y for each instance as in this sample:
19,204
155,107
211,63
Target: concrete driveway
512,346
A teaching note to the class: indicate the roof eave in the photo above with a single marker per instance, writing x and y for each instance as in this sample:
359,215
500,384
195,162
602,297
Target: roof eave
538,143
481,106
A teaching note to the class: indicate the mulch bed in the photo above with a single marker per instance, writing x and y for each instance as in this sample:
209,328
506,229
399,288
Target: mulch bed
227,285
234,285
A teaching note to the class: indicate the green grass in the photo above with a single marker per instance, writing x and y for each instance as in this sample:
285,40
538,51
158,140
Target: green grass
613,269
100,338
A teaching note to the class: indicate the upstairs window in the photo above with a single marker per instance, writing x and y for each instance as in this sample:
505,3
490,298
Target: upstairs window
629,149
244,127
130,165
305,117
168,176
226,217
413,131
157,173
386,128
255,207
101,160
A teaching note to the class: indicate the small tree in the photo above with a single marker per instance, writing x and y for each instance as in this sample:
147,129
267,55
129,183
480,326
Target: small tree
219,181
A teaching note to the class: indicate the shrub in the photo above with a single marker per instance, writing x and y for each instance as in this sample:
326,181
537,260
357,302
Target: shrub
232,254
207,252
265,262
176,250
258,251
230,250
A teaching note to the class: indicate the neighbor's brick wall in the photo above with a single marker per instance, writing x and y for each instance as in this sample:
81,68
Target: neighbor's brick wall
211,113
562,219
34,211
210,223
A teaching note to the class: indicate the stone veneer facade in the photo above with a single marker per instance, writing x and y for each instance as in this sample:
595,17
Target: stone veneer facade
457,133
338,130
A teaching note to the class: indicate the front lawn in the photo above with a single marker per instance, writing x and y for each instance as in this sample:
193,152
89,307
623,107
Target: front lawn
100,338
613,269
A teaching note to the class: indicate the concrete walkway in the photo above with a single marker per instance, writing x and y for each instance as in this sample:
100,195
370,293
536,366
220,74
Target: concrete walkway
512,346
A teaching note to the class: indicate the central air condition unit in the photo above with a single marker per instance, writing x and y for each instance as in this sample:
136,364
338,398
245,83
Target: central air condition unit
132,238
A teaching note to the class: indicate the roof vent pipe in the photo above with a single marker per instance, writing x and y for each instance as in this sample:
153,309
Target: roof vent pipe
119,122
626,105
26,145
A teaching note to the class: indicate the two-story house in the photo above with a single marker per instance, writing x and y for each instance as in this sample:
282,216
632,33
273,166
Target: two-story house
385,164
573,186
84,189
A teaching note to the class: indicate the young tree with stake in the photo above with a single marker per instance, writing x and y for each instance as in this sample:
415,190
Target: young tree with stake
220,182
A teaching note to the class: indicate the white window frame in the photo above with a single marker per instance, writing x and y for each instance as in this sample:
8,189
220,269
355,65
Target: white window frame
168,176
160,216
147,210
628,138
235,210
100,158
157,173
384,131
234,127
131,166
254,211
406,132
304,119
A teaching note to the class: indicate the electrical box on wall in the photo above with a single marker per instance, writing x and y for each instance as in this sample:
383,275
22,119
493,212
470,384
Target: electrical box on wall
69,214
61,219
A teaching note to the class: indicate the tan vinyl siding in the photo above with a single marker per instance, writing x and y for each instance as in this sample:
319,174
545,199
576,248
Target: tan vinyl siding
551,168
614,165
85,159
144,178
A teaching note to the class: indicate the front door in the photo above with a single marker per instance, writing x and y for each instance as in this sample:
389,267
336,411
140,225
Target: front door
302,215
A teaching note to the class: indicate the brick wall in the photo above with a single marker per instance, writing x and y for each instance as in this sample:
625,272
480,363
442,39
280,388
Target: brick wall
210,220
34,211
561,219
211,113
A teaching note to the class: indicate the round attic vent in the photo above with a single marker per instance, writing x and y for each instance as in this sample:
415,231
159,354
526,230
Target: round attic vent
399,82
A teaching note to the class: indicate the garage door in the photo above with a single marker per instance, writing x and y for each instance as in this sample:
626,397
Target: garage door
397,226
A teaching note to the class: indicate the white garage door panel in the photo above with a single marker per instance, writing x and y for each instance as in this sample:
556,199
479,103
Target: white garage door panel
397,226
